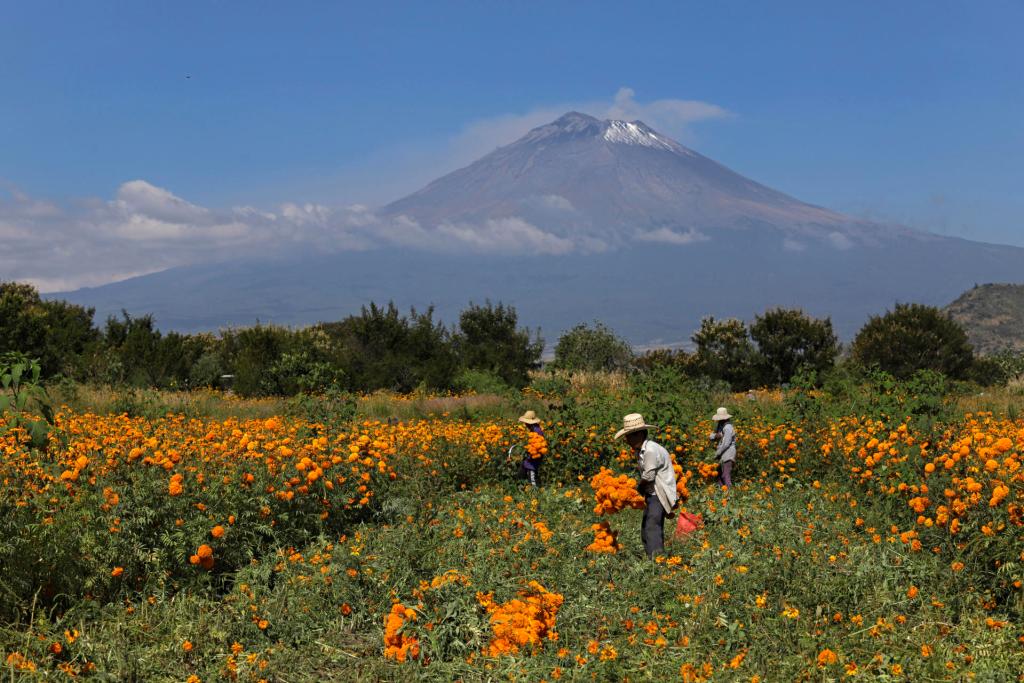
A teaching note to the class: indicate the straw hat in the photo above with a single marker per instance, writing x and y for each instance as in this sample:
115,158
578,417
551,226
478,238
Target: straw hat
721,414
634,422
529,418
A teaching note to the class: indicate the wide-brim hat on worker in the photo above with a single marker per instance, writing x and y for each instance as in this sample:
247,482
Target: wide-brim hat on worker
721,414
634,422
529,418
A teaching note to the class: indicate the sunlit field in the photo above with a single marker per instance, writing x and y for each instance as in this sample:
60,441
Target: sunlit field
198,545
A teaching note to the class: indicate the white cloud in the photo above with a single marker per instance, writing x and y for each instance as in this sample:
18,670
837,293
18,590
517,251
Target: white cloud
506,235
839,241
670,116
139,197
557,202
668,236
147,228
790,244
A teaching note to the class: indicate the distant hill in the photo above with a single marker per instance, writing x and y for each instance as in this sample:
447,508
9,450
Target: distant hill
993,316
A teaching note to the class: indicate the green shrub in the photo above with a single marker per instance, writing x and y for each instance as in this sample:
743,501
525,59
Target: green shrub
724,352
333,406
789,341
489,341
20,393
595,348
480,382
914,337
60,335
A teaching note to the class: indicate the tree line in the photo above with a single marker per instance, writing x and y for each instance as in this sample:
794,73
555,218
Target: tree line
377,348
781,344
382,348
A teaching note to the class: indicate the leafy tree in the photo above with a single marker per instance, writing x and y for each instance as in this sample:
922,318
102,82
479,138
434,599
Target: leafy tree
666,358
592,348
57,333
430,346
789,341
998,368
137,353
382,349
914,337
207,370
490,340
300,371
250,353
724,352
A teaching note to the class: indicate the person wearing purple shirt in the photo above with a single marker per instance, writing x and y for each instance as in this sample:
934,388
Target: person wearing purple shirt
529,469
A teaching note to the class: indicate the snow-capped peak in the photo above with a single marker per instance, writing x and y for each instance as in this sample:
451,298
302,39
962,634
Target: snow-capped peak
636,133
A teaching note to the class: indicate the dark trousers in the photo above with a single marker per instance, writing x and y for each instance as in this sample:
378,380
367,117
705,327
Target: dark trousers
532,476
652,531
725,473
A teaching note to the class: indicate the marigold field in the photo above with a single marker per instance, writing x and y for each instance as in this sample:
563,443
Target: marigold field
858,546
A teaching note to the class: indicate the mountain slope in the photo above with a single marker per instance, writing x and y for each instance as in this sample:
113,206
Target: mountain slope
584,219
613,181
993,316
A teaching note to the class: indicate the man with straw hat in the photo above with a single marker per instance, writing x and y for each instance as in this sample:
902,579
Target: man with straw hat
529,468
657,481
725,434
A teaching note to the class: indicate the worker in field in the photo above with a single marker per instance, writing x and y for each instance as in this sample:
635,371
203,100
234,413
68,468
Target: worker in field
657,481
725,435
536,448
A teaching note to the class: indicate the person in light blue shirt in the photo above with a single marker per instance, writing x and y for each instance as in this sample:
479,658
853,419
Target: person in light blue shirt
725,435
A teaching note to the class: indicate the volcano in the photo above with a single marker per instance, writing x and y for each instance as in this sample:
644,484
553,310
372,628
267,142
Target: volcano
603,184
585,219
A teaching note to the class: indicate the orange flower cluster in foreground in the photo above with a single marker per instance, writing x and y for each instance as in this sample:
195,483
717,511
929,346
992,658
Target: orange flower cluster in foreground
605,540
523,622
613,493
397,645
536,446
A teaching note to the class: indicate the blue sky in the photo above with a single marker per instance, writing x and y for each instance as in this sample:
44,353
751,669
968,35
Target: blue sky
910,112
